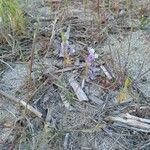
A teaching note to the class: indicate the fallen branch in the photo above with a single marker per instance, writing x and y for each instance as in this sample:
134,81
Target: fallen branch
23,103
128,116
137,123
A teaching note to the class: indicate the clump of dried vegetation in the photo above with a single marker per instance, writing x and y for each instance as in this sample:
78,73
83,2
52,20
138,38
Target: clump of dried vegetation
74,95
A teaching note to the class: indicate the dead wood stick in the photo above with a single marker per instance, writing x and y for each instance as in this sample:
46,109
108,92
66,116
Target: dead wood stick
108,75
23,103
78,90
130,122
128,116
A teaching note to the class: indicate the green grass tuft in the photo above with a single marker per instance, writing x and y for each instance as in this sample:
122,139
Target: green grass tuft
12,16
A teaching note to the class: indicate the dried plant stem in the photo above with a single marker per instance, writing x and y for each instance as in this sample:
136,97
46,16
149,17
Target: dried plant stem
129,46
23,103
6,64
37,90
98,10
53,34
32,53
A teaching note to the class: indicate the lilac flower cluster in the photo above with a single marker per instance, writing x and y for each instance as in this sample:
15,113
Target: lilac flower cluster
65,47
90,63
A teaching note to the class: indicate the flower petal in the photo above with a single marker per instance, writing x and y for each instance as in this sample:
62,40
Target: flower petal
71,50
91,50
96,56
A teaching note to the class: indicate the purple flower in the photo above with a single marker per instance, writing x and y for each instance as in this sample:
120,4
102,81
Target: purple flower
91,57
91,73
90,60
66,48
71,50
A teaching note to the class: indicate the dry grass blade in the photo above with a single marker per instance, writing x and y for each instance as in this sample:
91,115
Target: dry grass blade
6,64
32,52
53,34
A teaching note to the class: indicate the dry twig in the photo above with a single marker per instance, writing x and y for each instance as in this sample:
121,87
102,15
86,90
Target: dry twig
23,103
140,124
78,90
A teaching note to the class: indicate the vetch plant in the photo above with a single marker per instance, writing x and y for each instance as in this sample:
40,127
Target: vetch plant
89,68
90,64
66,49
